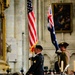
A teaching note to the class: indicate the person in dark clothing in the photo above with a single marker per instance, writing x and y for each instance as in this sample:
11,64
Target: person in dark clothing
37,66
56,67
16,73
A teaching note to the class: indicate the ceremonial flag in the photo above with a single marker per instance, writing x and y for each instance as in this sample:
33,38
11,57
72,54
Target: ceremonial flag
31,26
52,29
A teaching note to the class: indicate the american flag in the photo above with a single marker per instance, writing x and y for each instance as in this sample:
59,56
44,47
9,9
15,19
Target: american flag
31,26
52,29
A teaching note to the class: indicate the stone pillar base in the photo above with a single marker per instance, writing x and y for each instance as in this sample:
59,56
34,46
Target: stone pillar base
3,66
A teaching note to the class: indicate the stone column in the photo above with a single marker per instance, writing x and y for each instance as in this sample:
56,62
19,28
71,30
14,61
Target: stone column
19,23
43,20
39,20
9,12
10,40
26,43
21,27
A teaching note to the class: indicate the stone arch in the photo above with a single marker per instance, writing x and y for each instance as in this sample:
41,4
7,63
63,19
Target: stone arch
55,57
47,60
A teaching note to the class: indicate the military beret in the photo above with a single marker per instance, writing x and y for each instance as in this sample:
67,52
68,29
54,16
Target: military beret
65,44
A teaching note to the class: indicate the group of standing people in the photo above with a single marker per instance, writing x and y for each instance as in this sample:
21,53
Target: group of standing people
37,68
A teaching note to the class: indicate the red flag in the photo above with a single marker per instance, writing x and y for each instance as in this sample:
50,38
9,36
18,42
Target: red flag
31,26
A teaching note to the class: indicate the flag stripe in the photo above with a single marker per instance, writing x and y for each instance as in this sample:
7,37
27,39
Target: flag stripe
31,25
32,22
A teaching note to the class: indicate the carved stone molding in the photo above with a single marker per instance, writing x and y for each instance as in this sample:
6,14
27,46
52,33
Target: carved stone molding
3,64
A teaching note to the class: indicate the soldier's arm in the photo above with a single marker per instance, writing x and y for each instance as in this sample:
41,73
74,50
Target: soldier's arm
35,64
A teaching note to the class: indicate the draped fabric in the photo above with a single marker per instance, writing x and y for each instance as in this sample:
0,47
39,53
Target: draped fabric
31,26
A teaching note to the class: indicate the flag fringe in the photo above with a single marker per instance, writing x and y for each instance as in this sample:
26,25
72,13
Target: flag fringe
31,49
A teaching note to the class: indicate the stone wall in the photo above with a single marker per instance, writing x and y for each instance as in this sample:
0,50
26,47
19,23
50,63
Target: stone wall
16,24
49,49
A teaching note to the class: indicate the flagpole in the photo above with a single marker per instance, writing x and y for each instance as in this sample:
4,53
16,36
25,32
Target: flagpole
22,69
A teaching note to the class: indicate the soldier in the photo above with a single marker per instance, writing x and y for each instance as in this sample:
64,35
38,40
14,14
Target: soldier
65,55
37,66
